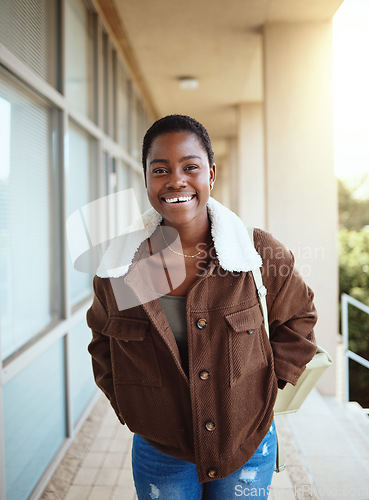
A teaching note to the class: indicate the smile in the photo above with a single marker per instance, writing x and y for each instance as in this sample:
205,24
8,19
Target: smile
179,199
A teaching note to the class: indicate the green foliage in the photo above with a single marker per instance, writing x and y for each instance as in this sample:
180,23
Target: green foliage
353,249
353,203
354,264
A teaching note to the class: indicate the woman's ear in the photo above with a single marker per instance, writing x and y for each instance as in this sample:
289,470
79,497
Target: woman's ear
212,175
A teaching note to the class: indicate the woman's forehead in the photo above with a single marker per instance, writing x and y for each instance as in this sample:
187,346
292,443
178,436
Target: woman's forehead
177,141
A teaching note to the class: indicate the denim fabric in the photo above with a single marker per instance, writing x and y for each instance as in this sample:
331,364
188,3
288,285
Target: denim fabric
160,476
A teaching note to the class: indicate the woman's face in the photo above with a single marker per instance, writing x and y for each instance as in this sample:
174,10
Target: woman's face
178,178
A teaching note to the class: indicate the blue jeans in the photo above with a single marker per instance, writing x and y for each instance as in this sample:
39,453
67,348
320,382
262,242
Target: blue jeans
160,476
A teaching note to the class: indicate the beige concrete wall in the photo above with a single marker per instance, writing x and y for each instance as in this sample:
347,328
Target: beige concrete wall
301,201
232,200
251,165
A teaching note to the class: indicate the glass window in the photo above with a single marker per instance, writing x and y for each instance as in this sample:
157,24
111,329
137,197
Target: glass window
134,129
137,183
111,207
141,123
123,93
34,420
80,191
81,377
125,210
29,30
122,176
29,234
80,57
107,84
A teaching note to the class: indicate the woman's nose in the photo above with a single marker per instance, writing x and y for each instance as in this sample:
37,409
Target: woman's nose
176,180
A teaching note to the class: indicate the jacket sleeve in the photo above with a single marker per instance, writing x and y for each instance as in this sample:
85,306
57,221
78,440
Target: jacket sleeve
292,314
99,348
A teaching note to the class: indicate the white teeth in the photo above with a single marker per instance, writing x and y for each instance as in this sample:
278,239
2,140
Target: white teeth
179,199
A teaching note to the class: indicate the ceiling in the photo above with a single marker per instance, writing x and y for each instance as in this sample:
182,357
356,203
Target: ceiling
217,41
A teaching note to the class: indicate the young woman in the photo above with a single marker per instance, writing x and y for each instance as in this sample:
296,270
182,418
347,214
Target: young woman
179,346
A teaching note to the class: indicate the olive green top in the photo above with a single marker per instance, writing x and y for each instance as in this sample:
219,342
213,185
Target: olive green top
175,310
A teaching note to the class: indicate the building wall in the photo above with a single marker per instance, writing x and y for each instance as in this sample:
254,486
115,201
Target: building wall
284,177
301,193
71,124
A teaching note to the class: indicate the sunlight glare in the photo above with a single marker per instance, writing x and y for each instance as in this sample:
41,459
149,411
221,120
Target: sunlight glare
351,84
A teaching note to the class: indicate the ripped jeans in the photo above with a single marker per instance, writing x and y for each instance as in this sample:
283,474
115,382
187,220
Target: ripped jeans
160,476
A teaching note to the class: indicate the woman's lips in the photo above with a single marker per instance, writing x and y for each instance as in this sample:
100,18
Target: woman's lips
178,199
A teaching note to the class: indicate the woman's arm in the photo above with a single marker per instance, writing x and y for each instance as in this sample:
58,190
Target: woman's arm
292,314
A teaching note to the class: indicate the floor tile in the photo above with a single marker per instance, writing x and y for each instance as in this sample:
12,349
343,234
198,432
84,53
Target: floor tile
78,492
107,476
101,493
284,494
125,478
86,476
124,493
118,445
94,459
100,444
113,459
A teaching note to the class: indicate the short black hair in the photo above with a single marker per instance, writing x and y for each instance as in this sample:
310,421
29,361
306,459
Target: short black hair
176,123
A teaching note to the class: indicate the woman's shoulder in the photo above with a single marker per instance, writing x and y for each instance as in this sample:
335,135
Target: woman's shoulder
271,249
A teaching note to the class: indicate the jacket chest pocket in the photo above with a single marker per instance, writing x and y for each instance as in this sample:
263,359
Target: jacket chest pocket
133,354
246,353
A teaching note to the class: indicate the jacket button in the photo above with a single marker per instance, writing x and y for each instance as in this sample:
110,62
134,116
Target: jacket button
212,473
201,323
210,426
204,374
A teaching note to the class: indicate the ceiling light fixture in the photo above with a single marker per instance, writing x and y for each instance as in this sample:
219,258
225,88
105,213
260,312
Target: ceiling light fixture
188,82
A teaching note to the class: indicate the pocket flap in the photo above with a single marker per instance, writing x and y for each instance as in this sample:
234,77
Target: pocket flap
126,328
246,320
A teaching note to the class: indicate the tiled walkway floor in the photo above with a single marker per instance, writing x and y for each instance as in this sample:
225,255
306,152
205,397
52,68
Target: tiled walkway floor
97,465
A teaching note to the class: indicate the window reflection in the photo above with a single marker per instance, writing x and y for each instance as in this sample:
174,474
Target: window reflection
5,109
27,221
80,58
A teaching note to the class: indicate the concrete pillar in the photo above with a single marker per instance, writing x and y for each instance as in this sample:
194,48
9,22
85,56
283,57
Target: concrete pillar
300,181
233,175
251,167
221,188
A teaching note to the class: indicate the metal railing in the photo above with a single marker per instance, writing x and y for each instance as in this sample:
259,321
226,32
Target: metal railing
345,301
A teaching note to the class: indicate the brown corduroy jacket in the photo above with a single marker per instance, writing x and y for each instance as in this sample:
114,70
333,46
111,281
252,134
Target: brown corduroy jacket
218,416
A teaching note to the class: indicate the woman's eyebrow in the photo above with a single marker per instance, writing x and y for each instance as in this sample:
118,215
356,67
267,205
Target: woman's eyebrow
158,160
190,157
184,158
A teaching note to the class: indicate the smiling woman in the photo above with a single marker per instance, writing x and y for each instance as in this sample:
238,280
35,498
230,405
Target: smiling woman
189,368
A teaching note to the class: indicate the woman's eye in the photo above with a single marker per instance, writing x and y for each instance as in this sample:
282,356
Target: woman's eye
159,171
191,167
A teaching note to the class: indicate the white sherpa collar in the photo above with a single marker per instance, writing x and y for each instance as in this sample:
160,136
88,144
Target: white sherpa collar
232,243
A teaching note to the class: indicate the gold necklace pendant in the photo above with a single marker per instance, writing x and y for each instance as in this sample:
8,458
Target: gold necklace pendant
183,254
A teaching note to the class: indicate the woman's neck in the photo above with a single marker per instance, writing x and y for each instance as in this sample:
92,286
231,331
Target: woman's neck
193,234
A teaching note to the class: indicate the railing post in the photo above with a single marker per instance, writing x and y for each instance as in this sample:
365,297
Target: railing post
345,301
345,335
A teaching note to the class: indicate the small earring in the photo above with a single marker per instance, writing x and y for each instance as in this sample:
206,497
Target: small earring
211,186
